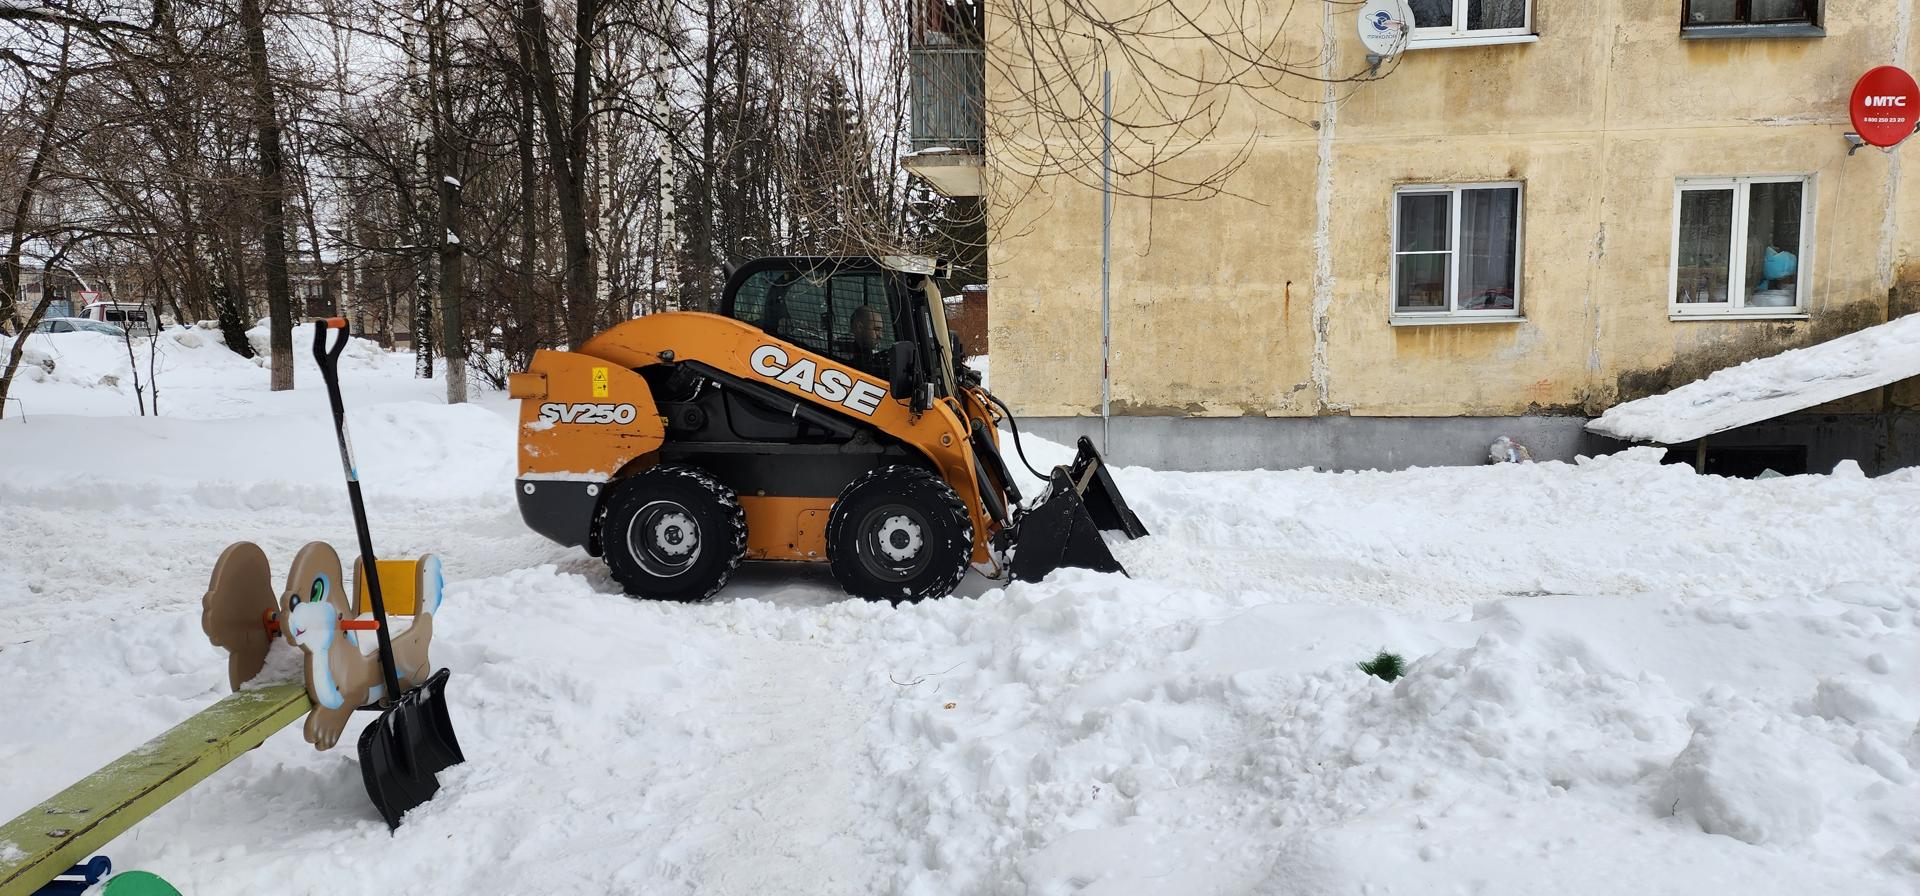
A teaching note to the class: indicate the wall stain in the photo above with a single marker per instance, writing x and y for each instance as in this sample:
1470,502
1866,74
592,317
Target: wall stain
1453,342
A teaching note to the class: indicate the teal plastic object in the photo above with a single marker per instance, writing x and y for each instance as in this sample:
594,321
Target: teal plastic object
138,883
1779,265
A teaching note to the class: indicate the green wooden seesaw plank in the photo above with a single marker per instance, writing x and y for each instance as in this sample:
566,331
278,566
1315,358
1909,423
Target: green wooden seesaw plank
68,828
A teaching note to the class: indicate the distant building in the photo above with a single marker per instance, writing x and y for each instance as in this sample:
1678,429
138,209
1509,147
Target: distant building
967,319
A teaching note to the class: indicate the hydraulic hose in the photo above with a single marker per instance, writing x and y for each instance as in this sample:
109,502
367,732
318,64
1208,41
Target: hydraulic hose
1015,427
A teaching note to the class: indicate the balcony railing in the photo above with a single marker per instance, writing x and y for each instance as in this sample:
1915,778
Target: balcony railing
948,93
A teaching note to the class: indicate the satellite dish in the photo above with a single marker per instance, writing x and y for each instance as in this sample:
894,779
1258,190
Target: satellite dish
1385,26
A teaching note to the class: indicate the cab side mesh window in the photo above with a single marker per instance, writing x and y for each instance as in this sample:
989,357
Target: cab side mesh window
814,312
851,292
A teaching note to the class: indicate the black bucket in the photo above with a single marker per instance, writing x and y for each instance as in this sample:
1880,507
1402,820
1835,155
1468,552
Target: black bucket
1096,487
1064,528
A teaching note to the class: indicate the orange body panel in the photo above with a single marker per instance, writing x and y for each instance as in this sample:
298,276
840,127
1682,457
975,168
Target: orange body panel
589,420
786,528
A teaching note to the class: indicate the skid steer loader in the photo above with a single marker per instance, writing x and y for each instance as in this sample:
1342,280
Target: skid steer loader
821,415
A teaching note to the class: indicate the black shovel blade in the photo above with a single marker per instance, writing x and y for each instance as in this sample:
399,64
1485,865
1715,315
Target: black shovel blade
1059,532
404,750
1096,487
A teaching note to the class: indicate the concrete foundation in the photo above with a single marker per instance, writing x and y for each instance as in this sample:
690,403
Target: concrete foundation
1879,442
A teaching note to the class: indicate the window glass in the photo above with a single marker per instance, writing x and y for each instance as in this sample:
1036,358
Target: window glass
1749,12
1773,245
1706,246
1422,281
1489,248
1781,11
1424,219
1432,13
1713,12
1496,14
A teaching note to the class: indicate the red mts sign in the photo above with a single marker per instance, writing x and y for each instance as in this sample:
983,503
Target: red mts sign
1885,106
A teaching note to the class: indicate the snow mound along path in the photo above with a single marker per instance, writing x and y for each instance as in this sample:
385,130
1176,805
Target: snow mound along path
198,376
98,360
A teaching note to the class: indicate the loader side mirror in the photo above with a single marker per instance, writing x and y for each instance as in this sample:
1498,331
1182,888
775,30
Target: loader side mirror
903,369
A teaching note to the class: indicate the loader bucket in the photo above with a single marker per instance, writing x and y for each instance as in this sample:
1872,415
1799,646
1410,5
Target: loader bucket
1096,487
1064,528
403,751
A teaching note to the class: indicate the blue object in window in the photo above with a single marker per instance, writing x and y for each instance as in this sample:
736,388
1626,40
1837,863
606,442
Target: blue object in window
1779,265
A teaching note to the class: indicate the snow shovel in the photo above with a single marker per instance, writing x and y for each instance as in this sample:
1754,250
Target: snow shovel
403,751
1064,528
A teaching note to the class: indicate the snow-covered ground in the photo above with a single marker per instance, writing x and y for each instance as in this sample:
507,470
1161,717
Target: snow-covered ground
1624,678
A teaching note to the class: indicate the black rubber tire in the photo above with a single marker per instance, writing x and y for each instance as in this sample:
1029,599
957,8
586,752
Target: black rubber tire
649,519
913,510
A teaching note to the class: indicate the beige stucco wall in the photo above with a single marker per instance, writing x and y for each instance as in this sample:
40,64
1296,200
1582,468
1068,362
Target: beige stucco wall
1222,307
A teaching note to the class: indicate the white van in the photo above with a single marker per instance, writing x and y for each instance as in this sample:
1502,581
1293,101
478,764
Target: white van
136,318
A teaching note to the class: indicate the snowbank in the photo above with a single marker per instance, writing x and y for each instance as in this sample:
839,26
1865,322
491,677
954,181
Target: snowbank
1765,388
197,375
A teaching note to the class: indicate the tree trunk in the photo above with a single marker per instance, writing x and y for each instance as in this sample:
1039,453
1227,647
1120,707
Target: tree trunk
227,303
273,191
520,345
667,253
23,209
567,132
453,341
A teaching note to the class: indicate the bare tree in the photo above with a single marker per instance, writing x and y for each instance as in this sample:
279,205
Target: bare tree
273,193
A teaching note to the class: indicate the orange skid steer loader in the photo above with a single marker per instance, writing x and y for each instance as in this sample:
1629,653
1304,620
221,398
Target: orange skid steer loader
821,415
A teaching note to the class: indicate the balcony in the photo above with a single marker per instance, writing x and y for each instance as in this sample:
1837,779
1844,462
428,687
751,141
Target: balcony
947,90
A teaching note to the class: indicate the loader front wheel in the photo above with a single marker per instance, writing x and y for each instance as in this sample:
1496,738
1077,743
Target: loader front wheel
673,533
900,534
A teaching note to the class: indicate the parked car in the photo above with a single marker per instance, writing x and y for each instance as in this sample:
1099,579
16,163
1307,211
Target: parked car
78,325
138,319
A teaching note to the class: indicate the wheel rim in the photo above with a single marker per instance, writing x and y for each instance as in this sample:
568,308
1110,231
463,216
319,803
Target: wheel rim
664,539
893,543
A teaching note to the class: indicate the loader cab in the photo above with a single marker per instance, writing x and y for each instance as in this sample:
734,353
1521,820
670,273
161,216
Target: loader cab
868,314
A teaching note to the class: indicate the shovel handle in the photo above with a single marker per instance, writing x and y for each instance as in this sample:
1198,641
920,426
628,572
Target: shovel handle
328,358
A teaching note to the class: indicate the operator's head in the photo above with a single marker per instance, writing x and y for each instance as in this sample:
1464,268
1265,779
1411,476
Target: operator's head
867,329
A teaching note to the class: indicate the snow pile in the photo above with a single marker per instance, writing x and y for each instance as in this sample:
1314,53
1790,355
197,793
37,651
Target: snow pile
1131,740
1765,388
98,360
198,376
359,352
1622,678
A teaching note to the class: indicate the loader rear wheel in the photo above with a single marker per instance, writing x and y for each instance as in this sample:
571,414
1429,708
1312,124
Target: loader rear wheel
673,533
899,534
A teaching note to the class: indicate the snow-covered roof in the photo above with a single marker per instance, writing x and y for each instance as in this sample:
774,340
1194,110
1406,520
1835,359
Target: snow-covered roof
1765,388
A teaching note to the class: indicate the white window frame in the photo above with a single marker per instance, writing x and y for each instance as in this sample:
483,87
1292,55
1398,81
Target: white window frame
1459,35
1736,304
1453,314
